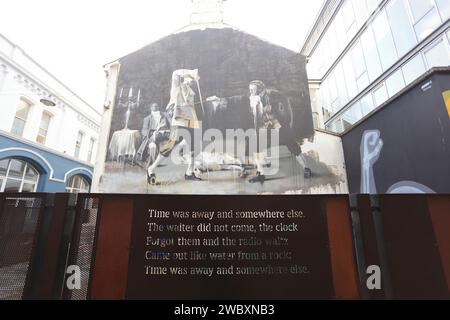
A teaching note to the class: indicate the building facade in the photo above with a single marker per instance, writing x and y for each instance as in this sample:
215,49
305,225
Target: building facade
362,53
48,135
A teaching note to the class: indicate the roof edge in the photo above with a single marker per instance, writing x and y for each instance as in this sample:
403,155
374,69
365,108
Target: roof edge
200,27
328,8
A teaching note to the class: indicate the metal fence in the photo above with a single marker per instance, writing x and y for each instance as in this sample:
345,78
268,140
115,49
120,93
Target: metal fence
19,221
82,256
42,234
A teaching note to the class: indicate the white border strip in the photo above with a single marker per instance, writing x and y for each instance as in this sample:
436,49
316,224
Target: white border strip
75,169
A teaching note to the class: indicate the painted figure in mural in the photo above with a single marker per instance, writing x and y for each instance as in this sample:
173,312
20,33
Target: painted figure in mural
155,121
272,111
371,146
181,110
129,102
370,149
215,111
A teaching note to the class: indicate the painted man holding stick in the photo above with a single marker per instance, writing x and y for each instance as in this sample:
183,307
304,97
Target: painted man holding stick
184,118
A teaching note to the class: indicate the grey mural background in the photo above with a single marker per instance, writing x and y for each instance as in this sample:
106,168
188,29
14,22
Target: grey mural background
227,60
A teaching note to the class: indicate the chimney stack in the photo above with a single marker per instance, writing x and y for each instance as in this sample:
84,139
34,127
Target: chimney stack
207,11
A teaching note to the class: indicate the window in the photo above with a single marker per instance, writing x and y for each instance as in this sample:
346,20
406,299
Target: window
336,126
340,31
361,8
316,66
380,95
367,104
326,50
395,83
413,69
427,24
333,92
438,55
320,60
77,184
425,16
372,5
444,9
21,117
3,171
371,54
349,20
353,114
349,76
359,66
327,114
363,81
325,95
385,43
420,7
17,176
340,81
43,128
91,149
334,44
78,144
401,28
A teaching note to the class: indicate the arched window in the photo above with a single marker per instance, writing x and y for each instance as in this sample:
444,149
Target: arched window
18,176
77,184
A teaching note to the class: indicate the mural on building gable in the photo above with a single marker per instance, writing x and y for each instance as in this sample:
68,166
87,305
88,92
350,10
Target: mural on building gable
217,111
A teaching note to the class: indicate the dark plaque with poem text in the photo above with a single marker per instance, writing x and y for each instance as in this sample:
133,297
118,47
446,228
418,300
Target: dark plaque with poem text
232,247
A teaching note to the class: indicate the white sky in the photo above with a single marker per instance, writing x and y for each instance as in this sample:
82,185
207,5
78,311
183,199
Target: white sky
73,39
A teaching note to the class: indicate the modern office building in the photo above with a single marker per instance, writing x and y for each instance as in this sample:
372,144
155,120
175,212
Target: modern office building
48,134
361,53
